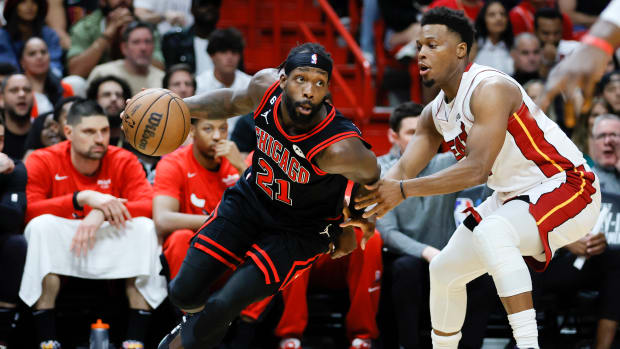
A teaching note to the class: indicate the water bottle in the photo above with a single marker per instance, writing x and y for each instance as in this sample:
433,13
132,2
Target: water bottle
99,337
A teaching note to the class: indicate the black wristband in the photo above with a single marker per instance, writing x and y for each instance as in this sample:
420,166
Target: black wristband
76,204
402,190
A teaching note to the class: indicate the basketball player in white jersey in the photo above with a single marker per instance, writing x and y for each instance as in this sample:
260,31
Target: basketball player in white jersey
545,195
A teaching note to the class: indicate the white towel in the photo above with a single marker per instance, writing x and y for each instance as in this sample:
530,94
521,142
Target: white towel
117,254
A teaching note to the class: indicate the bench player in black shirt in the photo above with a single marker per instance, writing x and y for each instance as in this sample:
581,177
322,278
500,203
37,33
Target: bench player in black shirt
287,209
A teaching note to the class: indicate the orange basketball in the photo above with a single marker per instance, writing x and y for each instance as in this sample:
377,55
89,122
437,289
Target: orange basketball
156,121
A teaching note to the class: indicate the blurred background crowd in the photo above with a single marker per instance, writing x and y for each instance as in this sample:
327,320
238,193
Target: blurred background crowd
67,68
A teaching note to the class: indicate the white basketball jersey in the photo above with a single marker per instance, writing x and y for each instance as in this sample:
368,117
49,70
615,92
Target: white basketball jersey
535,148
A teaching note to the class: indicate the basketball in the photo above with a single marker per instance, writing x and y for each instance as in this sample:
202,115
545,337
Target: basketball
156,121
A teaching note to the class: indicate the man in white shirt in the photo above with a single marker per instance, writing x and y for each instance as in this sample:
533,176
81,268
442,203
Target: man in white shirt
225,49
164,13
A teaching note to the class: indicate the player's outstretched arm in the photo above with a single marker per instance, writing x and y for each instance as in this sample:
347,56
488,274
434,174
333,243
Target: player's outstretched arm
584,67
493,101
420,150
226,102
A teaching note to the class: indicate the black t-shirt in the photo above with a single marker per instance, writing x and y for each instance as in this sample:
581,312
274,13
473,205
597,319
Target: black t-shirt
12,199
523,77
244,134
14,145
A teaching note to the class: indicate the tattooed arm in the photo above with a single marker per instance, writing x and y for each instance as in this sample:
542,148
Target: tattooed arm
226,102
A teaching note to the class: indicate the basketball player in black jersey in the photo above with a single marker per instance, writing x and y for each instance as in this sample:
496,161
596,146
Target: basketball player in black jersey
287,209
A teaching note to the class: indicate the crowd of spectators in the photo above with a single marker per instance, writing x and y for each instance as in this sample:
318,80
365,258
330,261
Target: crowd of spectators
76,200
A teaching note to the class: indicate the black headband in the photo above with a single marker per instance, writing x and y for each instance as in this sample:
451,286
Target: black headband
308,59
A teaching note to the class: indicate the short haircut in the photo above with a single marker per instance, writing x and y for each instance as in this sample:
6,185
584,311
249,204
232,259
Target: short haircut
229,39
175,68
524,36
405,110
61,103
454,20
7,68
546,12
93,88
311,47
82,109
603,117
136,25
6,79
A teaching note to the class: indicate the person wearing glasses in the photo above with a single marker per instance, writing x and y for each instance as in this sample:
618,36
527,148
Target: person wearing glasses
605,151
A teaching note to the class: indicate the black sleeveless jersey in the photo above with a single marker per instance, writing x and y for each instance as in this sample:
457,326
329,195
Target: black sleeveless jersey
285,178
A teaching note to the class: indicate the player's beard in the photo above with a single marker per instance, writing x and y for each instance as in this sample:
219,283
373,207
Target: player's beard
291,108
91,155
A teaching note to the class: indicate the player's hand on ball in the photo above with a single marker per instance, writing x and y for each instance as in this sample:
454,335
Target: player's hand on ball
367,225
346,243
84,238
112,207
385,194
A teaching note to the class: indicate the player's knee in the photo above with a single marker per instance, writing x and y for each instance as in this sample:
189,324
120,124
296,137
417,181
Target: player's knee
437,270
180,297
493,234
496,242
38,226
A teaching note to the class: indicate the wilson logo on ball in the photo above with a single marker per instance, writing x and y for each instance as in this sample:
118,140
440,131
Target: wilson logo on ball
149,130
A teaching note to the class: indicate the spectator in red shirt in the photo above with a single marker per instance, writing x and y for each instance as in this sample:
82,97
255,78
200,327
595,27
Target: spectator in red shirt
522,17
189,184
87,215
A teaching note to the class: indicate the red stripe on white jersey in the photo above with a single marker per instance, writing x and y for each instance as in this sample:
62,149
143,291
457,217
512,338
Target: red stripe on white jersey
531,141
